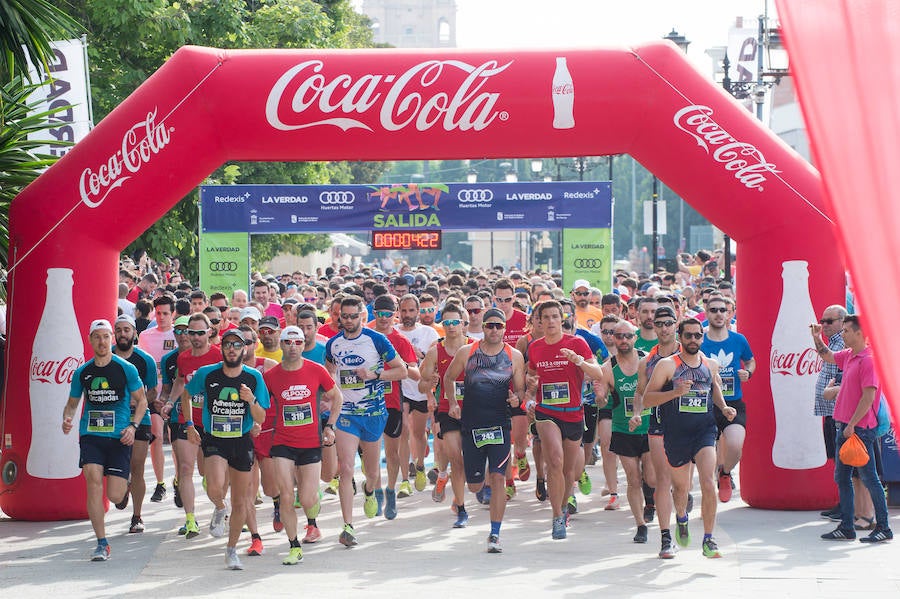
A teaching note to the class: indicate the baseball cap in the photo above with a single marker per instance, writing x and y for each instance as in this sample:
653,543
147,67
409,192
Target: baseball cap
581,283
126,318
292,332
234,333
250,312
494,313
100,324
268,322
182,321
664,311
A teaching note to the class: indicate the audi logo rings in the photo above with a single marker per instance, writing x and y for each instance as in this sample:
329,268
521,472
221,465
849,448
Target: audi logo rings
223,266
475,195
332,198
588,263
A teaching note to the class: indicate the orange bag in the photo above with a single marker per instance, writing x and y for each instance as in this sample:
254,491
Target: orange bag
853,452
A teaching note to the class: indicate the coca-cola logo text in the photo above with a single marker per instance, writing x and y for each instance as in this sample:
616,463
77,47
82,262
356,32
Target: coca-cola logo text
743,159
144,140
399,99
564,89
57,372
799,363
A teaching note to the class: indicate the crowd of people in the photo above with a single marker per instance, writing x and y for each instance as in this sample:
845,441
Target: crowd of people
283,386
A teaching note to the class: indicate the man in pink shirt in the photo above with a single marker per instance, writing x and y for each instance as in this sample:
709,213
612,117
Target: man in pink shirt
856,411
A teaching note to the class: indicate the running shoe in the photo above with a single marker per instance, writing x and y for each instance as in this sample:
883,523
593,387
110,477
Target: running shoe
137,525
613,503
421,479
493,544
559,528
177,495
879,535
332,488
124,503
584,483
540,490
667,549
312,535
682,534
710,549
412,469
101,553
572,505
524,468
649,513
724,486
347,538
277,525
433,475
183,530
379,497
159,493
294,557
217,523
370,505
839,534
440,487
232,561
191,529
390,503
405,489
641,536
256,547
833,515
483,495
510,490
462,518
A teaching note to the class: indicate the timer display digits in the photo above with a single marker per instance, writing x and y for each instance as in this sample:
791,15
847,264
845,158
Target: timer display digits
406,240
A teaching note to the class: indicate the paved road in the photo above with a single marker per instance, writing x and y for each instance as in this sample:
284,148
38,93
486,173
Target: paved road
766,553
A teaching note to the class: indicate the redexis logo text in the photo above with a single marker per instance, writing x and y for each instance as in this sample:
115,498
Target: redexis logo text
475,195
336,198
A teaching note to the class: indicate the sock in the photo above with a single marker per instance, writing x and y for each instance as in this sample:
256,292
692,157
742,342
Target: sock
613,494
723,472
666,534
519,456
189,517
681,519
294,542
276,501
707,537
420,468
102,542
648,493
366,490
495,527
460,509
161,483
255,535
311,521
510,482
442,473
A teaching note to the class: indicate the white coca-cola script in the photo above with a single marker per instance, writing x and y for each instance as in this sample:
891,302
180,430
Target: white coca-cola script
400,100
54,371
743,159
795,363
140,143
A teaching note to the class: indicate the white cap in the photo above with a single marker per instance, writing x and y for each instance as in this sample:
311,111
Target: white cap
292,332
250,312
581,283
99,325
126,318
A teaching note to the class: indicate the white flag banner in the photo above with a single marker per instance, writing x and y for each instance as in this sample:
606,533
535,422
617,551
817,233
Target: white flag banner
742,53
66,89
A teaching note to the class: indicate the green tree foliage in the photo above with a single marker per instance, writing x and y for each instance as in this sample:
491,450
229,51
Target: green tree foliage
26,29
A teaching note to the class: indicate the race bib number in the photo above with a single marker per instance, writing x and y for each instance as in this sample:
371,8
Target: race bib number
348,379
297,415
227,427
488,436
101,421
459,388
197,401
693,402
629,408
555,394
728,386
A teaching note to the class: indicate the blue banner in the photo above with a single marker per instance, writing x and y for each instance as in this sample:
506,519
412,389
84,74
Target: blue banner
447,206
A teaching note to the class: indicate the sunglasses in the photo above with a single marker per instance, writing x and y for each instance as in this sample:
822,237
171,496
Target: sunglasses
607,332
310,300
181,331
717,310
663,323
493,325
215,320
623,335
350,316
455,322
582,293
566,316
233,345
474,310
828,320
250,342
266,331
384,314
687,335
293,342
428,310
504,300
194,333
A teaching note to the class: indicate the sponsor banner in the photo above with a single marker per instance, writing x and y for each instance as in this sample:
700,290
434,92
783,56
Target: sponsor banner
66,90
587,254
448,206
224,262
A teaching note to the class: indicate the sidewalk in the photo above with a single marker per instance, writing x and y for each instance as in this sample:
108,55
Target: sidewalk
766,553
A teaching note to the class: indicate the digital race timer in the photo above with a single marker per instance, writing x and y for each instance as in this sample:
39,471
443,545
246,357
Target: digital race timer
406,240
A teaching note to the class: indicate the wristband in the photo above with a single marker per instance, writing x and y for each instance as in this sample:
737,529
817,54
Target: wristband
188,423
749,374
133,425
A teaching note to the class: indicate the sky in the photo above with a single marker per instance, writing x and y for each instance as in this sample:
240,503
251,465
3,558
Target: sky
600,23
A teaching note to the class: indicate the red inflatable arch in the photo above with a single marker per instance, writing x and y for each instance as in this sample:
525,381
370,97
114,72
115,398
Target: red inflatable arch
206,106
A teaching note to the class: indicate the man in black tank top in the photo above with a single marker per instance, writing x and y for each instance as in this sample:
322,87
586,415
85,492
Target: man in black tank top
684,386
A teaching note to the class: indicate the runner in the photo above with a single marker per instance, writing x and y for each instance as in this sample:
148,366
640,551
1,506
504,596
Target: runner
491,368
108,383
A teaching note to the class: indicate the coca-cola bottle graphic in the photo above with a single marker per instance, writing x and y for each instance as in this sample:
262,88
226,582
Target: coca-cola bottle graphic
794,368
563,94
57,352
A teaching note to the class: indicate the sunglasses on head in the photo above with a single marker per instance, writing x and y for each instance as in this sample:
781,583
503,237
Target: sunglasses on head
717,310
195,333
493,325
623,335
687,335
